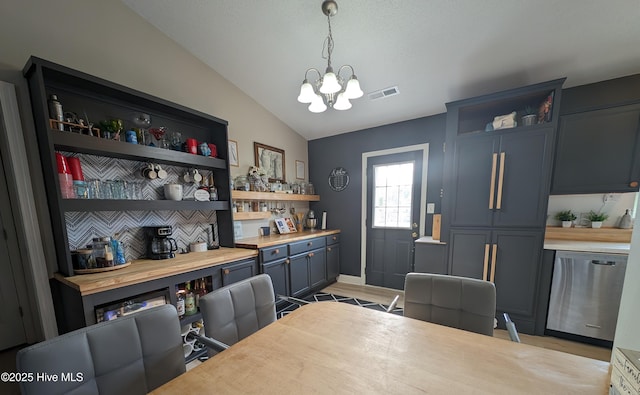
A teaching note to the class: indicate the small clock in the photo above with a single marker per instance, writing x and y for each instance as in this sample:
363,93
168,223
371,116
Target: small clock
338,179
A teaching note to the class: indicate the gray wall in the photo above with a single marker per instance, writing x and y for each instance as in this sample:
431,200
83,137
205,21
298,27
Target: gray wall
345,150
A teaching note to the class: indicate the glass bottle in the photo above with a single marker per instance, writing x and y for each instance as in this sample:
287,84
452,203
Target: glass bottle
180,303
189,301
55,111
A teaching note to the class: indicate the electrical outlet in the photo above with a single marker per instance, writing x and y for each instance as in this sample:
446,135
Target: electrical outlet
431,208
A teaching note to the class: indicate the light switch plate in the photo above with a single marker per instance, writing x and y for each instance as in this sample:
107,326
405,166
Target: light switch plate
431,208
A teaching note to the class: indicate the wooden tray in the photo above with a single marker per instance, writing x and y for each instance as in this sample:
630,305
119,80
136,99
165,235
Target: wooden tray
100,269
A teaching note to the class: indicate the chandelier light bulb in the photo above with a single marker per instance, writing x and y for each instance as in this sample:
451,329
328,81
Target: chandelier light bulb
307,93
330,83
353,90
342,102
317,105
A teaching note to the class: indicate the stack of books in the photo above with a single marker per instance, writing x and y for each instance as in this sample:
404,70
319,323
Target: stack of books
625,372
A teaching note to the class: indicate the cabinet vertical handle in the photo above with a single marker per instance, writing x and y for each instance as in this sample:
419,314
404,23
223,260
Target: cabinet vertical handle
500,181
494,257
493,180
486,262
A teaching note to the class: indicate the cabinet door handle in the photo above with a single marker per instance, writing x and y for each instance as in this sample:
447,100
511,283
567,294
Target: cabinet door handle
493,180
226,271
287,261
335,238
485,266
328,248
500,181
494,257
310,243
633,184
276,251
311,254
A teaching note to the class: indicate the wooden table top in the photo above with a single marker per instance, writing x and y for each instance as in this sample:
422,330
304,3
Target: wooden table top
276,239
148,269
331,348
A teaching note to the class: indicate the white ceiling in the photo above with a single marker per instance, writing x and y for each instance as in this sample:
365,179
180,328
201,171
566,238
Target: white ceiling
435,51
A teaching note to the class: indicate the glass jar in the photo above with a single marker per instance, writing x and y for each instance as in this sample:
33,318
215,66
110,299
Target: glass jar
310,189
242,183
102,251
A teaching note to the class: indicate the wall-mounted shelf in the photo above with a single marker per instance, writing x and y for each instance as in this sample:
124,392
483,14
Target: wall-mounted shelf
249,195
70,205
247,215
75,142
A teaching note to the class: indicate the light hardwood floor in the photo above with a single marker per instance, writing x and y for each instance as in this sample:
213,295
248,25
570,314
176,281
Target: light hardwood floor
385,295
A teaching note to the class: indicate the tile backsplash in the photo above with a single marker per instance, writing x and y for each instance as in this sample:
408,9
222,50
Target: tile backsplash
615,206
188,226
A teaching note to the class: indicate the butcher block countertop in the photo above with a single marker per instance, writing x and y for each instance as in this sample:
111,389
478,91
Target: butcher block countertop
272,240
603,240
146,269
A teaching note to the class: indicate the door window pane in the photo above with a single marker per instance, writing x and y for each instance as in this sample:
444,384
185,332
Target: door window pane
393,192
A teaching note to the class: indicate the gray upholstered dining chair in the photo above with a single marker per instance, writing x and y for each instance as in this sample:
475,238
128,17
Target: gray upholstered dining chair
130,355
459,302
236,311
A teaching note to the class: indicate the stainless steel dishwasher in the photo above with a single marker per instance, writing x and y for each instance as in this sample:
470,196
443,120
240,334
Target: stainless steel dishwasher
585,293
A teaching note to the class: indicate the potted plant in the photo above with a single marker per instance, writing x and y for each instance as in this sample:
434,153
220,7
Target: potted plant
567,217
596,219
529,116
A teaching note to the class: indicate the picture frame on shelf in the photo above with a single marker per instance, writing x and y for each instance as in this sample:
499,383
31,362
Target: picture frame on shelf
299,170
233,153
271,159
283,225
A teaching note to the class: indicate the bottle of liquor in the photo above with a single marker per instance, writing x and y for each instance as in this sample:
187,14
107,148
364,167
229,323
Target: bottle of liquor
180,303
189,300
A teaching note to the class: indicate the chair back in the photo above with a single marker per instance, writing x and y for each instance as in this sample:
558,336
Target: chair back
236,311
129,355
459,302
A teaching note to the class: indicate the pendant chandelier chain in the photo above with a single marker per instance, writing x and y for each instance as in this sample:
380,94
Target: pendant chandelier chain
327,47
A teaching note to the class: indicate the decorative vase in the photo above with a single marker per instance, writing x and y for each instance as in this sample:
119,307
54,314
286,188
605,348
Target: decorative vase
566,224
596,224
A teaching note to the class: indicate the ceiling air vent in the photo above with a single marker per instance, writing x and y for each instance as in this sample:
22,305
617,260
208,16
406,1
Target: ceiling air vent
382,93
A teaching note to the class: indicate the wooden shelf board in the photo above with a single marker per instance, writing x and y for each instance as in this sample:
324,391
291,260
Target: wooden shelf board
249,195
251,215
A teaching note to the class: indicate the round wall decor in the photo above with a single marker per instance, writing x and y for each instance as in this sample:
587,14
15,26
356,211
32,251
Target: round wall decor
338,179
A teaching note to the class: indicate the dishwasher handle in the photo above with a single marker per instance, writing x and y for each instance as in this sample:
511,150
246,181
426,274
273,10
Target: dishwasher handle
603,263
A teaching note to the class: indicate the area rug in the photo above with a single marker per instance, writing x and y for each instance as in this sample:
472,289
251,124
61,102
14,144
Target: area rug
325,297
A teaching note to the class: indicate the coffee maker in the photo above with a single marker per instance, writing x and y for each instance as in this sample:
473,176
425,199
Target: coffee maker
159,244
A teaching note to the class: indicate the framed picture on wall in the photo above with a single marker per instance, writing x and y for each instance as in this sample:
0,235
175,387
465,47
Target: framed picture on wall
233,153
270,159
299,170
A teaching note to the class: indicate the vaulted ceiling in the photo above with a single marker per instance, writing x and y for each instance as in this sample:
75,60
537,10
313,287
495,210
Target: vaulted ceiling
434,51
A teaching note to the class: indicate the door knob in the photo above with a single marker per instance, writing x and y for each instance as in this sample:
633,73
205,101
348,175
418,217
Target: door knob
414,235
414,225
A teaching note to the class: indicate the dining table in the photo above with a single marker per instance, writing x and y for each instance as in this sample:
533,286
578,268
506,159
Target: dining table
339,348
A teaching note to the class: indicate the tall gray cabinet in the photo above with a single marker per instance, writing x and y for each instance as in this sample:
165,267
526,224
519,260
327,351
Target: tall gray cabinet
496,192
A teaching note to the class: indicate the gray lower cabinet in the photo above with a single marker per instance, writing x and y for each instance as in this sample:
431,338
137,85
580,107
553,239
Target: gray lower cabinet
510,259
235,272
430,258
598,152
298,268
278,270
76,311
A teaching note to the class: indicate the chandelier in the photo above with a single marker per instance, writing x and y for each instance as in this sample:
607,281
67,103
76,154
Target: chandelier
330,89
